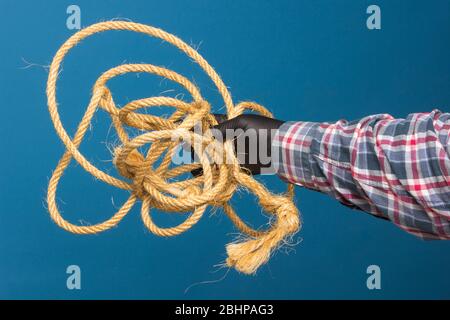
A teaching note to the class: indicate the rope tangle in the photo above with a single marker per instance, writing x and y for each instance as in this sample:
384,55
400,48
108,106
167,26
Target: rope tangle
152,182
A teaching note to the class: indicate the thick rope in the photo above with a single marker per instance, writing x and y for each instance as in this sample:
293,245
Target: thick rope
153,183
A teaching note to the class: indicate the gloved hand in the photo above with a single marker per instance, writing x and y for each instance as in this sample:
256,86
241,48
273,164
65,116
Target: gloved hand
254,128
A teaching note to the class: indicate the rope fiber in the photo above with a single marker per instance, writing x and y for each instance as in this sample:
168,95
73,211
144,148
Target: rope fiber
149,177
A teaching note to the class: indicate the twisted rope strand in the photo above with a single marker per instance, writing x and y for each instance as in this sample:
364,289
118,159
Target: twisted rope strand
153,184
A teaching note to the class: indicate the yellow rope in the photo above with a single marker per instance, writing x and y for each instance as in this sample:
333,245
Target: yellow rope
150,182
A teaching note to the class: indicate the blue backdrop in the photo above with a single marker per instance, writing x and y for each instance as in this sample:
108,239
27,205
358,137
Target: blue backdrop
304,60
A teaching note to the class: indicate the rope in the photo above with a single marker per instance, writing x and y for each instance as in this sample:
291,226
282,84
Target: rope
152,182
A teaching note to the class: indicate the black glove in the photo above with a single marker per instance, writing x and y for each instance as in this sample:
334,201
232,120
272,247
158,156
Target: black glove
247,130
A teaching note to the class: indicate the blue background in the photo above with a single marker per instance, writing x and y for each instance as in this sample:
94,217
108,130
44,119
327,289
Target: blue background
304,60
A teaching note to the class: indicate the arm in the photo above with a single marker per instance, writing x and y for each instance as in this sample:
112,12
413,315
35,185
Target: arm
396,169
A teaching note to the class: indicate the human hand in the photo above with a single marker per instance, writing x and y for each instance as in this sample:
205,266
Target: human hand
252,135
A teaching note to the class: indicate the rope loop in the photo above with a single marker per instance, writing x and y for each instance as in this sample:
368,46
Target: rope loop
150,175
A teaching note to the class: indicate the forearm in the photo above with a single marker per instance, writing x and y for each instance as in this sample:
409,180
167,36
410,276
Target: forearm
392,168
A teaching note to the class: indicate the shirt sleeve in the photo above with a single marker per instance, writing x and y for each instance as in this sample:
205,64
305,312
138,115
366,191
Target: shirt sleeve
396,169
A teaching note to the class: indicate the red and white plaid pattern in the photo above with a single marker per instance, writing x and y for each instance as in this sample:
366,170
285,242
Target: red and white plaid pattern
396,169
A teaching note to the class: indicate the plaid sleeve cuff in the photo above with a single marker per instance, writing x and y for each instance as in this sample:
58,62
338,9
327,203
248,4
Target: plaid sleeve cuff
292,144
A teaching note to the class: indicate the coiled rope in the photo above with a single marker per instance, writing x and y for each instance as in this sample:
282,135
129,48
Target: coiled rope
153,183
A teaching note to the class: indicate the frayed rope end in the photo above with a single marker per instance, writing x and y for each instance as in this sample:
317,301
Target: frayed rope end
248,256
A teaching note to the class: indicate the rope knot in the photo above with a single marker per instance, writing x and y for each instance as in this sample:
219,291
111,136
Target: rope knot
190,191
130,166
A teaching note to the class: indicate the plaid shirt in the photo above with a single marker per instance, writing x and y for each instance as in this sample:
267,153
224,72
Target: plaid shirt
396,169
